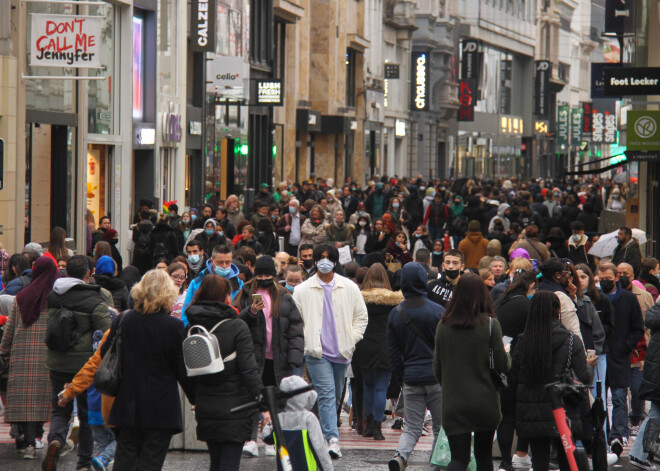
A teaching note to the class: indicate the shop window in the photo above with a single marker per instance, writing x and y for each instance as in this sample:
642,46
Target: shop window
167,41
231,34
101,93
168,165
351,70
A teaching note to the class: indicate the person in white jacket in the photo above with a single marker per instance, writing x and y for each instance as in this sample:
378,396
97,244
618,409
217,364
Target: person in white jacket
335,318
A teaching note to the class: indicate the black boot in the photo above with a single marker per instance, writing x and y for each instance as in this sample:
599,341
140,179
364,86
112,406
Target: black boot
378,433
360,427
369,432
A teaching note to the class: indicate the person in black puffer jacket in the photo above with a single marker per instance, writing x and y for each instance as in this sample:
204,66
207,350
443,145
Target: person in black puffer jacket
104,276
541,355
216,394
278,355
164,237
511,310
371,363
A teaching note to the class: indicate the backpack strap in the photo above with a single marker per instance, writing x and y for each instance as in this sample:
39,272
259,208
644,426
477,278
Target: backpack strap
232,355
414,327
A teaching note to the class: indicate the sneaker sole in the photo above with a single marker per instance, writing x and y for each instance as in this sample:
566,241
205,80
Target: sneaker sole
640,465
393,465
50,461
334,455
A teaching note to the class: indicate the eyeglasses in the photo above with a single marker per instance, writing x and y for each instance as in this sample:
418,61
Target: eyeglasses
179,278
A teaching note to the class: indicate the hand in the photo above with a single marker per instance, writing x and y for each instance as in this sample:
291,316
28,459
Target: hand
287,228
403,247
62,400
507,348
257,306
381,236
266,416
591,361
572,290
338,245
355,249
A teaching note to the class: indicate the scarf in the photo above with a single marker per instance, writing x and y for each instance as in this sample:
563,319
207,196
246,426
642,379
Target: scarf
31,300
614,297
457,209
197,267
650,279
339,225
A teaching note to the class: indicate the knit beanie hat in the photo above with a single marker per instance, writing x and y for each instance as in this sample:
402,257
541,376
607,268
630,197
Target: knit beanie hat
265,265
105,266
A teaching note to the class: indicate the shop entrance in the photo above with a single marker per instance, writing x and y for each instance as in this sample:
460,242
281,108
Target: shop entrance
99,182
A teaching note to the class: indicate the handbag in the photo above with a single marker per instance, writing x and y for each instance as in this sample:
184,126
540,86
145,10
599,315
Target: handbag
108,374
500,379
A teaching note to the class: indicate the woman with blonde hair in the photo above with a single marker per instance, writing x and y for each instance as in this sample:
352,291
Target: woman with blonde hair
371,364
147,407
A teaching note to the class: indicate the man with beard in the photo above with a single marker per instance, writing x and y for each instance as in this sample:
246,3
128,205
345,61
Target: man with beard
627,250
440,291
196,258
306,259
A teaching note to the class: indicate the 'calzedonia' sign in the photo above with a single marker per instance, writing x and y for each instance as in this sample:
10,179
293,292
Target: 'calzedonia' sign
420,81
202,25
65,41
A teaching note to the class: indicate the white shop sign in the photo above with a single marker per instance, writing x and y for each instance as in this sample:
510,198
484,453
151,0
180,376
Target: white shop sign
65,41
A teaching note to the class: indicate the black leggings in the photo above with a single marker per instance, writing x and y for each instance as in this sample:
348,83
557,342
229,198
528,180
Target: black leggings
225,456
540,448
460,446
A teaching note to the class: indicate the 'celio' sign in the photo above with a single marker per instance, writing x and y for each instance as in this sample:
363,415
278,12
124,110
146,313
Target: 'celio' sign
420,79
202,25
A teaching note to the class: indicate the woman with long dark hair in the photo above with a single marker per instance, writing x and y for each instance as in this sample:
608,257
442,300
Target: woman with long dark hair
470,401
17,275
511,309
540,357
57,245
277,331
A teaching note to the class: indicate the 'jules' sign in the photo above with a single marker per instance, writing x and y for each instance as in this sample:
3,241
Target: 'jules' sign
202,25
420,81
65,41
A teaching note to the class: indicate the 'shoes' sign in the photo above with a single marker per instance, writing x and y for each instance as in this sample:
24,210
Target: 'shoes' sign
643,132
202,25
632,81
420,80
65,41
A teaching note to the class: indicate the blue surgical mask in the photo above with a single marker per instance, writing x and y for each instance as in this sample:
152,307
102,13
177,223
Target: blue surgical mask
325,266
209,232
585,290
221,233
292,210
437,253
185,221
194,258
657,275
222,271
289,287
530,296
395,205
193,216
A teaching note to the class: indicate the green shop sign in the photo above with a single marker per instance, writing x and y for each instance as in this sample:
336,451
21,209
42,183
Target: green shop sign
643,131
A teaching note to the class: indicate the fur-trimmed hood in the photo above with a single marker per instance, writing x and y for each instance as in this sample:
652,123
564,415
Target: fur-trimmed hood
382,296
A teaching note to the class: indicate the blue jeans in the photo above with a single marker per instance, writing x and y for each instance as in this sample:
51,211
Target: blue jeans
636,404
436,233
359,258
637,450
375,383
328,379
105,441
619,414
599,375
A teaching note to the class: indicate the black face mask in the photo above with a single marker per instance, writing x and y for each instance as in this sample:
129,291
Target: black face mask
63,273
452,274
267,283
624,280
308,263
607,286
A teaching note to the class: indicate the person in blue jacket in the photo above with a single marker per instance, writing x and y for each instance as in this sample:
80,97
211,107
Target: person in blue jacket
221,264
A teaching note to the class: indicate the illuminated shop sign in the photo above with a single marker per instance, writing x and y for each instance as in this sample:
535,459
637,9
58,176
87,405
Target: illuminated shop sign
420,80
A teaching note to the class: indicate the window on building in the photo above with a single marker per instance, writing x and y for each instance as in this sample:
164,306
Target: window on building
505,86
564,72
261,32
280,50
351,57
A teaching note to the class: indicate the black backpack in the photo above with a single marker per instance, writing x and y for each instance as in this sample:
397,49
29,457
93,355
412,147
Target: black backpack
144,247
459,225
159,252
59,332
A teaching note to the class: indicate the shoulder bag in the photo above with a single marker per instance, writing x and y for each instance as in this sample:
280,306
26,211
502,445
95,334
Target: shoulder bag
108,374
500,379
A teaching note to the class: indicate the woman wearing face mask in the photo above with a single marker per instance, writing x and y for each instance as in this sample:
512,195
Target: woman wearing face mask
211,237
399,215
111,236
437,254
616,201
420,239
277,332
362,232
105,275
397,247
313,229
186,224
649,277
360,212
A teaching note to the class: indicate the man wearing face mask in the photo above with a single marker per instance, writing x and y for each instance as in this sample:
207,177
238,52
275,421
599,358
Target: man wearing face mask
335,318
625,273
288,226
196,257
221,264
306,259
440,291
578,246
629,327
627,250
556,279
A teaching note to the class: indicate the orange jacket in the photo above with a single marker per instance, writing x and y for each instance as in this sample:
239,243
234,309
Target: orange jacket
85,378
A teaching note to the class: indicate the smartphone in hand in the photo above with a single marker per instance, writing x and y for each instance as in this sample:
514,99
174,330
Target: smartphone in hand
256,298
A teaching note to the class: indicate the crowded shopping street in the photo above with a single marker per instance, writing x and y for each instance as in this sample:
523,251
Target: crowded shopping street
304,235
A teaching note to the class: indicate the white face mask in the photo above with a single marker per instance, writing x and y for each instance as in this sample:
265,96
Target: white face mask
362,223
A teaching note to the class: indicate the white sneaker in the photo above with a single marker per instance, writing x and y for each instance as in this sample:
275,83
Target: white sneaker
521,462
333,448
611,459
250,449
270,450
68,447
38,444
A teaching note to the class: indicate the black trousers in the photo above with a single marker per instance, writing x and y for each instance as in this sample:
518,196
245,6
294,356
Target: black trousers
141,449
59,422
225,456
540,448
358,394
460,446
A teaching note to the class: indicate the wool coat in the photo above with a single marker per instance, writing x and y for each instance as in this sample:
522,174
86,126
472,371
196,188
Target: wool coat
650,387
629,330
28,389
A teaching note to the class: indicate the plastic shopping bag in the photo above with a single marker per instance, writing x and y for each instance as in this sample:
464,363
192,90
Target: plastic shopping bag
442,455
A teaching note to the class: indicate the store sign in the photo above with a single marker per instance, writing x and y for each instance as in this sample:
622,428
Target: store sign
391,71
195,128
227,76
587,117
420,82
541,127
643,131
171,124
466,98
511,125
399,128
620,16
202,25
576,127
268,92
631,81
603,122
469,59
598,79
642,156
145,137
563,112
542,73
65,41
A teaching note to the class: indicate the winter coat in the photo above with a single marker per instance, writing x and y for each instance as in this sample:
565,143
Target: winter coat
605,312
209,243
474,247
402,256
437,214
568,316
650,387
512,311
90,309
268,243
411,357
345,235
235,216
17,284
593,334
280,227
534,418
151,366
117,289
629,330
28,388
164,235
470,401
253,243
371,352
216,394
375,245
312,234
578,252
288,343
